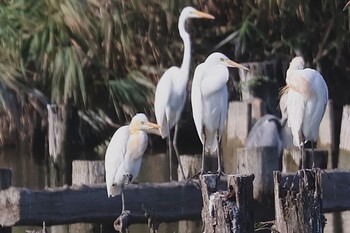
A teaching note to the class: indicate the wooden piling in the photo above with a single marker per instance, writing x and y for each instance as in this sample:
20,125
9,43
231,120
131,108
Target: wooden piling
191,165
327,136
86,172
5,183
298,203
262,162
291,159
344,144
237,129
231,210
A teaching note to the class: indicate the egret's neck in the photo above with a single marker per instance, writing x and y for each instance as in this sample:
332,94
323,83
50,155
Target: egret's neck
186,60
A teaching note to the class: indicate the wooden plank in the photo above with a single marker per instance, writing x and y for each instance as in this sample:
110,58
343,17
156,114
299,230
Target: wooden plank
174,201
5,183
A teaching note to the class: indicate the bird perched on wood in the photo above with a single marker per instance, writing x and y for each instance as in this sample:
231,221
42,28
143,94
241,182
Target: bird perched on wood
124,154
210,101
170,93
307,96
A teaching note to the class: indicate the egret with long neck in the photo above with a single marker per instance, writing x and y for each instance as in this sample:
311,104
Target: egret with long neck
170,93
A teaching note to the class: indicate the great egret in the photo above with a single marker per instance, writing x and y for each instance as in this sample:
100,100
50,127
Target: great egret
209,101
346,5
124,154
307,96
170,93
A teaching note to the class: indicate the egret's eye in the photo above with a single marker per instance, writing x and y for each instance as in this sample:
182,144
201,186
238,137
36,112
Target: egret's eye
222,59
142,122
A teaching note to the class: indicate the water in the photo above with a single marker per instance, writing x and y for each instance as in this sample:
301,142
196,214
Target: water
30,171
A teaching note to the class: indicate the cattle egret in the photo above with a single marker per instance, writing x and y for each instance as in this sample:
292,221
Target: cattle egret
124,154
307,96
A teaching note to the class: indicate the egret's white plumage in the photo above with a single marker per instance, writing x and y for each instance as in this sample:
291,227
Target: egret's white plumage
124,153
209,100
170,93
306,101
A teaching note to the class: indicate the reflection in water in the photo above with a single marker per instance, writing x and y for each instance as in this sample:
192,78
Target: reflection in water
30,171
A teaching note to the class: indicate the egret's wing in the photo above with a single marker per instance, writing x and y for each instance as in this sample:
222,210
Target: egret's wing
114,157
214,79
296,108
162,96
196,99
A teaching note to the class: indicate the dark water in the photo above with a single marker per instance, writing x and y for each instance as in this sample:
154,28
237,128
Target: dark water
30,171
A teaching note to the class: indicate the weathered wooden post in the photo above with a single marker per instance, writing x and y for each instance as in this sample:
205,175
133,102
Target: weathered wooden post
5,183
262,162
87,172
237,128
291,159
231,210
191,165
326,135
298,202
344,144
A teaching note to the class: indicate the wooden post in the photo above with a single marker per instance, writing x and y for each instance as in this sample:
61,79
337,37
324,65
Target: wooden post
231,210
191,165
344,144
326,135
298,202
237,129
85,173
5,183
262,162
291,159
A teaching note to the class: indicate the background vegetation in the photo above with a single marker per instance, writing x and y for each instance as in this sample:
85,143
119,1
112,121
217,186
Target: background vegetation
103,58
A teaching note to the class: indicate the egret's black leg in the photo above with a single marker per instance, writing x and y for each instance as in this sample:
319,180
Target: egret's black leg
177,152
170,151
203,150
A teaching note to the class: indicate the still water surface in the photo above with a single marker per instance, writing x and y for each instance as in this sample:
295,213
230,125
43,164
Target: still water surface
30,171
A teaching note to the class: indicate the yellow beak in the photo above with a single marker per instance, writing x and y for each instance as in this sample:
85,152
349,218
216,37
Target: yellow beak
152,125
235,64
201,14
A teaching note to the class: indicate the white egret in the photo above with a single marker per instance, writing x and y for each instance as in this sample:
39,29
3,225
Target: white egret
307,96
124,154
170,93
209,101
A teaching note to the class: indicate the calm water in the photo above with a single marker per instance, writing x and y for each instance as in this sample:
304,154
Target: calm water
29,171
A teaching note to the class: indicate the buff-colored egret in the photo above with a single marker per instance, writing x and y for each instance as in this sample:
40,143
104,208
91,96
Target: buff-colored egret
346,5
307,96
209,99
124,154
170,93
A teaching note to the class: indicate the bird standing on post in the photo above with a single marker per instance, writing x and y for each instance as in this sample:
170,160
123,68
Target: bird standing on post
124,154
170,93
307,96
209,99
